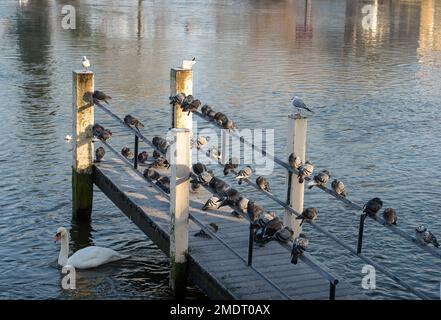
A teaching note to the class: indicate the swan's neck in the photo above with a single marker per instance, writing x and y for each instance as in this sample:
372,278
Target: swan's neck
64,251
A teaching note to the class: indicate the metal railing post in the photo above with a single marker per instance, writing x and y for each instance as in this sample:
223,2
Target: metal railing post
360,233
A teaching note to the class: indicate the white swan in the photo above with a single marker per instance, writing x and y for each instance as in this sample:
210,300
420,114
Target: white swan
89,257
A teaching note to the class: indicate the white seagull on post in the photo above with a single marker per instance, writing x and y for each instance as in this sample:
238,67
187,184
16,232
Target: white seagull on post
86,63
300,105
188,64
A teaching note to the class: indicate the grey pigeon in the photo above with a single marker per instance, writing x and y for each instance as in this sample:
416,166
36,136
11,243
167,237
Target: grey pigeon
99,154
186,102
265,233
232,164
320,179
101,133
214,153
263,184
99,96
245,173
212,203
242,204
177,99
221,187
254,211
300,105
305,171
390,216
201,142
143,157
372,207
229,124
299,246
211,114
265,218
127,153
193,106
151,174
211,226
339,188
198,168
220,118
205,178
160,143
133,122
425,237
294,161
156,154
284,235
160,163
205,109
164,183
231,197
309,214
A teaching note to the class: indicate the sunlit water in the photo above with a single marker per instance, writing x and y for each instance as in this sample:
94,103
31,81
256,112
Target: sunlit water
376,94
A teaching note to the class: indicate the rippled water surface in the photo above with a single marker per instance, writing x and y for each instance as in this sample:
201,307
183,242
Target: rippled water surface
376,94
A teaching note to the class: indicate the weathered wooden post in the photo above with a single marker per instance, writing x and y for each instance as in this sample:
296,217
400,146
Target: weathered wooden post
179,203
297,127
82,164
181,81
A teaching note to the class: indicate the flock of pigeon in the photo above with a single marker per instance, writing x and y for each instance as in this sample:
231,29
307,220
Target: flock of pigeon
266,224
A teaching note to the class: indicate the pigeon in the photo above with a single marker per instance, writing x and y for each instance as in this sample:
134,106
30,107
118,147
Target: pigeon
133,122
339,188
232,164
425,236
211,226
188,64
265,233
99,154
192,107
265,218
201,142
242,204
372,206
299,246
254,211
156,154
164,183
127,153
186,102
214,153
294,161
177,99
221,119
300,105
101,133
284,235
160,143
86,63
105,135
231,197
205,109
390,216
212,203
142,157
211,114
320,179
229,124
263,184
151,174
194,186
159,163
220,187
305,170
99,96
198,168
309,214
204,178
245,173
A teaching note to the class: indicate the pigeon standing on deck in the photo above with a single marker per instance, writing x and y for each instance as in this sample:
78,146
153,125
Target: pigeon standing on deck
232,164
143,157
320,179
188,64
211,226
99,96
373,206
309,214
245,173
99,154
305,171
390,216
127,153
212,203
299,246
133,122
339,188
86,63
263,184
300,105
294,161
425,237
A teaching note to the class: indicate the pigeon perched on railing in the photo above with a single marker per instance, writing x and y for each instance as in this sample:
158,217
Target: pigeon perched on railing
198,168
265,233
390,216
212,203
99,96
204,178
265,218
242,204
232,164
186,102
205,109
309,214
299,246
425,237
220,187
320,179
164,183
372,207
339,188
99,154
160,143
229,124
220,118
211,226
300,105
143,157
127,153
294,161
211,114
160,163
284,235
151,174
263,184
133,122
177,99
245,173
191,107
156,154
254,211
231,197
305,171
200,142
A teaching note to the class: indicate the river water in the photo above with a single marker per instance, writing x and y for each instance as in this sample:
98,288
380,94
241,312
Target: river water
376,94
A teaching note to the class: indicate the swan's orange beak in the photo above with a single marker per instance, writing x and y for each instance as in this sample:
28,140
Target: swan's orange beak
57,237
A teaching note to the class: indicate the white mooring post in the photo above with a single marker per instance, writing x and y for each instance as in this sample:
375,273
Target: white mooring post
179,207
297,127
82,160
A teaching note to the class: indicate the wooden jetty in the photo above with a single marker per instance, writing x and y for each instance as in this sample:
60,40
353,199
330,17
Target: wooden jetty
226,264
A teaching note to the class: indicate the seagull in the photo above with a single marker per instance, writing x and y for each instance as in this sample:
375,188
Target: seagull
133,122
142,157
320,179
294,161
205,109
339,188
99,96
127,153
299,246
300,105
198,168
372,206
232,164
242,204
245,173
68,138
151,174
188,64
305,170
390,216
211,226
425,236
254,211
99,154
86,63
283,235
263,184
309,214
212,203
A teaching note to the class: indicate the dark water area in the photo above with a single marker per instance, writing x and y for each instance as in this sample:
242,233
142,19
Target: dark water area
376,94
